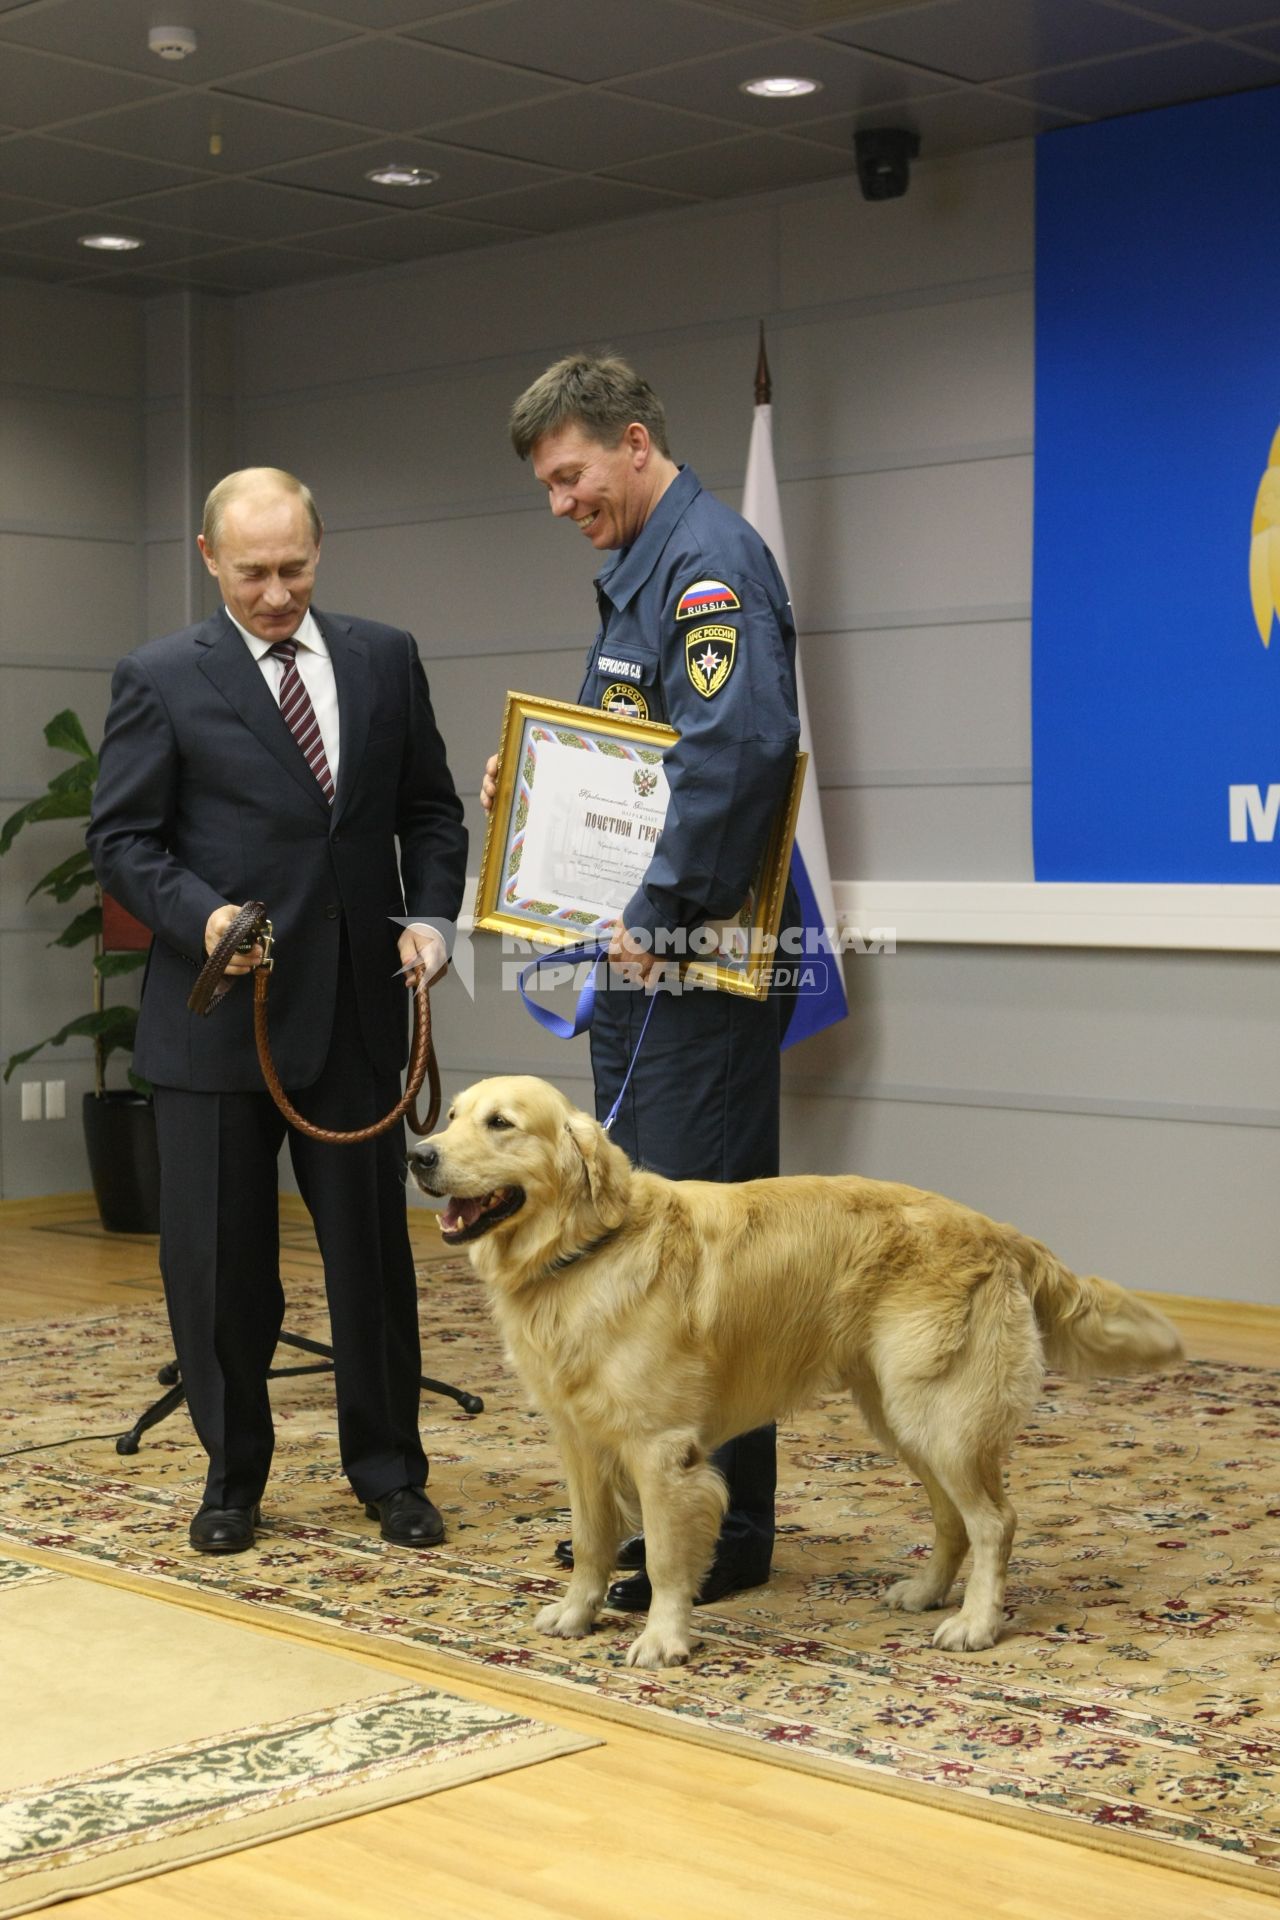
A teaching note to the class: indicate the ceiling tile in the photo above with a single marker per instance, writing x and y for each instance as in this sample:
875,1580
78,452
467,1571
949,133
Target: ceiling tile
810,16
1265,39
231,34
79,176
393,84
37,90
561,204
988,39
413,236
462,173
586,132
181,127
1220,16
564,36
57,239
375,15
849,81
15,208
248,210
754,163
1135,82
949,122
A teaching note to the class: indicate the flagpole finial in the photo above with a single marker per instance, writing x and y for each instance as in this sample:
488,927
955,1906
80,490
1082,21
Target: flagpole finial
764,385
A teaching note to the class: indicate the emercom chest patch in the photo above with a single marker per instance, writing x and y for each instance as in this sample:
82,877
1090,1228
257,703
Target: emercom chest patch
623,698
709,654
704,597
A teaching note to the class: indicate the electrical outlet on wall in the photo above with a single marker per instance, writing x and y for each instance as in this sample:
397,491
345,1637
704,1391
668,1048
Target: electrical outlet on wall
55,1099
32,1103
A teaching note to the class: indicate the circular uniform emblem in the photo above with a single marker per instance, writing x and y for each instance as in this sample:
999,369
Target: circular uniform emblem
623,698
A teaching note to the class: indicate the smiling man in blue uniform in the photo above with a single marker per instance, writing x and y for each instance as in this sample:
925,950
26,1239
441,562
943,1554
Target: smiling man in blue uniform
695,629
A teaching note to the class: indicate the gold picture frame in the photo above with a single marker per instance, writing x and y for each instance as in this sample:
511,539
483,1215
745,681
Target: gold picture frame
568,838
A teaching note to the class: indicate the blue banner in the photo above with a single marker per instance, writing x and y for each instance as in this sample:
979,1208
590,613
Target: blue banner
1155,648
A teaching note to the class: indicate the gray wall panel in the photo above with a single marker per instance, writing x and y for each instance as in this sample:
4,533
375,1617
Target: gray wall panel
914,699
71,462
943,540
1143,1032
71,472
164,455
972,382
68,597
965,219
1153,1204
532,299
166,562
488,583
86,341
47,1156
941,832
468,694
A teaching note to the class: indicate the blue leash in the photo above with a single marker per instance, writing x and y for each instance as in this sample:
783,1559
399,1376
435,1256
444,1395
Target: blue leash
582,1013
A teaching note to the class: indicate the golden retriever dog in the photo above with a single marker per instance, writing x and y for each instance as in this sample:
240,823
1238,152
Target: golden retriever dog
650,1320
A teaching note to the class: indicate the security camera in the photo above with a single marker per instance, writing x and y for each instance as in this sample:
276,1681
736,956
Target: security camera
884,156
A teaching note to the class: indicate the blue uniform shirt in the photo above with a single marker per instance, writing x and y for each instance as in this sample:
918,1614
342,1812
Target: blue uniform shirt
696,629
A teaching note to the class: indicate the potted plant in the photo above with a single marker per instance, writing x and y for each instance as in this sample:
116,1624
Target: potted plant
119,1122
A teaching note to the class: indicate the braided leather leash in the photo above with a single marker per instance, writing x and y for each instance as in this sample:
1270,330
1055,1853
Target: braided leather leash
212,986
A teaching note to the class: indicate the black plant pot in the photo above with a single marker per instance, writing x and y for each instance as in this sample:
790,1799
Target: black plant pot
124,1161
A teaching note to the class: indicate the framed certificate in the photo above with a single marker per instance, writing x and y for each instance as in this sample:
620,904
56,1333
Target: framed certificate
581,801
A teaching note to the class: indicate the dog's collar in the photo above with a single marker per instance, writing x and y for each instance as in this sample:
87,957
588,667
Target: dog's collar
582,1253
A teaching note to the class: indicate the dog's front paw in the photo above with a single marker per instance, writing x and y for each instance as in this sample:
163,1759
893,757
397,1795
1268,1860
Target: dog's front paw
567,1619
916,1595
655,1648
958,1635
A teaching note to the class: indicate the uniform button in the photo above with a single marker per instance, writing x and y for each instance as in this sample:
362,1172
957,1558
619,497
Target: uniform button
331,913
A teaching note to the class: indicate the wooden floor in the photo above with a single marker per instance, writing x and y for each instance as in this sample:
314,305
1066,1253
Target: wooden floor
644,1825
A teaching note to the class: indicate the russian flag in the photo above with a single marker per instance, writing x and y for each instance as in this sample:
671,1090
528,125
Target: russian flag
823,1002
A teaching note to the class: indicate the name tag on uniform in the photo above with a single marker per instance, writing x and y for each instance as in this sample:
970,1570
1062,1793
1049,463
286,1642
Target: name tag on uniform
623,669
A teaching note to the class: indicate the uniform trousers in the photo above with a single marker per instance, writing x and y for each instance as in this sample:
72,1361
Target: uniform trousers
702,1104
219,1256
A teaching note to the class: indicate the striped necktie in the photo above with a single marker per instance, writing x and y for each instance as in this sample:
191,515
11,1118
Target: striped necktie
295,705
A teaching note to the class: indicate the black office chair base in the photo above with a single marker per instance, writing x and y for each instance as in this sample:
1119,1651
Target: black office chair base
170,1377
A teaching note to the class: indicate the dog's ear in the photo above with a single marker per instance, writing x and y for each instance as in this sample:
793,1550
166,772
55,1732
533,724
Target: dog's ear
607,1168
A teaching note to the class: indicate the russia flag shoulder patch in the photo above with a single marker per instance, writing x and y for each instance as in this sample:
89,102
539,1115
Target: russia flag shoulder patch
705,597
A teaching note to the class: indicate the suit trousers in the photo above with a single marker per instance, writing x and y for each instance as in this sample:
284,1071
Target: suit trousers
219,1256
702,1104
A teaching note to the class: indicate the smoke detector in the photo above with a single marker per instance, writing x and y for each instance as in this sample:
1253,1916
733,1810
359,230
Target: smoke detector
172,43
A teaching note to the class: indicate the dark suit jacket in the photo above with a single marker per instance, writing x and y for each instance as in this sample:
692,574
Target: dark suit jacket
203,797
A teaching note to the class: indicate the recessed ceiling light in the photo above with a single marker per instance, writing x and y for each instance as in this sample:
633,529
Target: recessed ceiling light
111,242
393,176
172,43
781,86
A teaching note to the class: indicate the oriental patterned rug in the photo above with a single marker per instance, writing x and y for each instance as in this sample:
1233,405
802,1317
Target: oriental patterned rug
141,1735
1134,1702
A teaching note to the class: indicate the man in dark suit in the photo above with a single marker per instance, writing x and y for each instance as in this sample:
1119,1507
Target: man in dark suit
271,753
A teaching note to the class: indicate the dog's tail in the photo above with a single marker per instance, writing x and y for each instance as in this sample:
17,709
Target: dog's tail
1091,1326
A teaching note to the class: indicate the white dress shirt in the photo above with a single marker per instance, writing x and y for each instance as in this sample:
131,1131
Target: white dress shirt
315,669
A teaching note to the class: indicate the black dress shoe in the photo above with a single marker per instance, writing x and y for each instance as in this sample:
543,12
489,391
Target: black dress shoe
724,1578
408,1518
223,1529
630,1554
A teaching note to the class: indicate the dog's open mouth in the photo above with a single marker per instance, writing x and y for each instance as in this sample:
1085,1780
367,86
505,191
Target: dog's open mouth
467,1219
